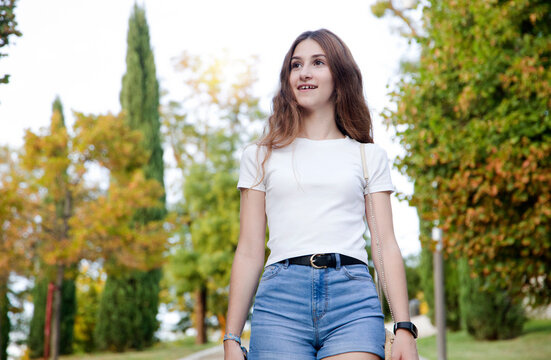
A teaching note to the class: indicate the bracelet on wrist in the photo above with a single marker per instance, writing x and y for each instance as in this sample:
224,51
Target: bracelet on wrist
230,336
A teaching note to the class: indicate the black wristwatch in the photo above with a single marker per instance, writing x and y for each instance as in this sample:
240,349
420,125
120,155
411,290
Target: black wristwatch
407,325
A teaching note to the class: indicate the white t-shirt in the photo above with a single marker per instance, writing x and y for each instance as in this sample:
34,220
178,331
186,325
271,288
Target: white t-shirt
315,195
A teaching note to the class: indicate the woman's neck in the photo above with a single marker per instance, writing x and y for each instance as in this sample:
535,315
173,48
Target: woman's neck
320,125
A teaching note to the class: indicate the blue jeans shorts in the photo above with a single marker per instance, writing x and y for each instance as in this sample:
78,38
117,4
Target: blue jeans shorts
305,313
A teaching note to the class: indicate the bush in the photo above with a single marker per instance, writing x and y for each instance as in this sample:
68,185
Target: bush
88,290
487,314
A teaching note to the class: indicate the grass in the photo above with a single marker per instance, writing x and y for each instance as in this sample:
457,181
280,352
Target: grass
165,351
533,344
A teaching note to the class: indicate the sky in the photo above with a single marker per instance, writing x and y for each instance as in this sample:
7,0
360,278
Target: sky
76,49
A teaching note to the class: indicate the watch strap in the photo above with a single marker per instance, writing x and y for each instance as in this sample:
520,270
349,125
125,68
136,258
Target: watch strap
406,325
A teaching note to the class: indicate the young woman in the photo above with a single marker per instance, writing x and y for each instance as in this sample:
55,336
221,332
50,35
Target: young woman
304,179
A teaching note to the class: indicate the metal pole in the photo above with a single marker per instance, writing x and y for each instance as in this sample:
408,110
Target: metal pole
439,301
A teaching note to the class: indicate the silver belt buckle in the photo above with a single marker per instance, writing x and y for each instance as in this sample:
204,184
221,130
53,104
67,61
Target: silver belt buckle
313,263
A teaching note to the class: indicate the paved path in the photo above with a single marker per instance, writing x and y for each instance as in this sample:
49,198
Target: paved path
217,353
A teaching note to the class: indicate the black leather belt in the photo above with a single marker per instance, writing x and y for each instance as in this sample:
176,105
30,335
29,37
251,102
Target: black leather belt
322,261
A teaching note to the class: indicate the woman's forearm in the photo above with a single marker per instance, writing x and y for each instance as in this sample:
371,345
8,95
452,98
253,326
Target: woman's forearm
246,270
393,272
395,278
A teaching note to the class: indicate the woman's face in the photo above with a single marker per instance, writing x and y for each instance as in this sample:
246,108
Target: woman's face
310,76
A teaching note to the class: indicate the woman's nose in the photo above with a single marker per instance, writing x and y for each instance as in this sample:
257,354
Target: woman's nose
305,73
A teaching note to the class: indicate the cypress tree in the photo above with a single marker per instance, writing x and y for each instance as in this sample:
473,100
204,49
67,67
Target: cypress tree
128,309
68,312
35,341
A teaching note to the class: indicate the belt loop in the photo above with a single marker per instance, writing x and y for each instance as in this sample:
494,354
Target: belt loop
286,264
337,261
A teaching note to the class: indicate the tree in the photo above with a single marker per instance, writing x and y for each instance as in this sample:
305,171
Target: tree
102,227
212,204
13,239
128,249
136,320
98,226
36,339
8,28
60,196
51,153
474,121
217,117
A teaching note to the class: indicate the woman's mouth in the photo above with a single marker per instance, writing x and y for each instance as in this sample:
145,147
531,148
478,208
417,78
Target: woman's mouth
307,87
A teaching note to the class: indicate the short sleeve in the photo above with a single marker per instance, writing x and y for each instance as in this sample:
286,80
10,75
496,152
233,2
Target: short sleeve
378,169
250,170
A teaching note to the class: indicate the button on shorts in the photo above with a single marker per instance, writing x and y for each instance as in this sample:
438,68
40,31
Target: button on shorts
305,313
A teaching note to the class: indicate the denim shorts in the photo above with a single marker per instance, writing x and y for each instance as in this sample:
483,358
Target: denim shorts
305,313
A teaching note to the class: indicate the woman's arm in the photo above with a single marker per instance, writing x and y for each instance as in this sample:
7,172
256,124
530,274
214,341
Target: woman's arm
247,264
394,271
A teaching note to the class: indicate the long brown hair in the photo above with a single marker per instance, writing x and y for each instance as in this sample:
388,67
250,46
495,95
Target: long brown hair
351,112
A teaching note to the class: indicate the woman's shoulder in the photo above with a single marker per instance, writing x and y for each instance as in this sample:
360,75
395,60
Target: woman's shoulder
250,147
253,150
375,150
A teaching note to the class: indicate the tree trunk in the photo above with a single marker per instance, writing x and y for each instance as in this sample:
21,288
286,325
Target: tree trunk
200,313
56,309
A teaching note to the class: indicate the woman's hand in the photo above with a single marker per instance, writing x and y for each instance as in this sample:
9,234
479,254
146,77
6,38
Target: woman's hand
232,351
404,346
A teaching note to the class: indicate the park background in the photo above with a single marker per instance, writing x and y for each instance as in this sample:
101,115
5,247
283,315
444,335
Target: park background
76,50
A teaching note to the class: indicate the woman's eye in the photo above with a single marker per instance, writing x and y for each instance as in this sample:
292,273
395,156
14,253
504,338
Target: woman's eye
318,62
295,65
